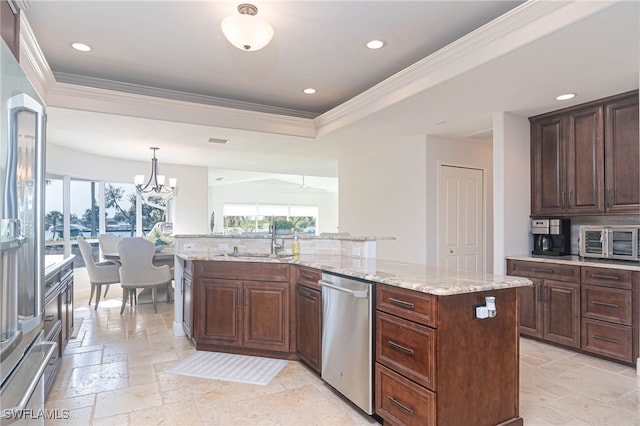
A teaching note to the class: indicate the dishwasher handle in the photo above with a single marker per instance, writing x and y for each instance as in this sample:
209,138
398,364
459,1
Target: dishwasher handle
361,294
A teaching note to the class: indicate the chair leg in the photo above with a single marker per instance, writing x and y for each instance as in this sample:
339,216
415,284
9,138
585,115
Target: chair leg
106,290
154,292
125,295
93,290
98,291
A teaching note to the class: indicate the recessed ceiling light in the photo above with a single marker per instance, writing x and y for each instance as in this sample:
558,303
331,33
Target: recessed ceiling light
309,90
375,44
565,96
81,47
219,141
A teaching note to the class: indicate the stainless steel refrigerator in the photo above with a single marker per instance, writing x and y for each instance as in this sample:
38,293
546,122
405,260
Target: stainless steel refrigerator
23,352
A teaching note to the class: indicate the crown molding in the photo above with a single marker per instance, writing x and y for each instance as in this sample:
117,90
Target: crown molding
32,60
119,86
64,95
516,28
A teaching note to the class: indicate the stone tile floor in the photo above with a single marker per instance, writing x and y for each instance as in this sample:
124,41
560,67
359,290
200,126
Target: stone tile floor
113,374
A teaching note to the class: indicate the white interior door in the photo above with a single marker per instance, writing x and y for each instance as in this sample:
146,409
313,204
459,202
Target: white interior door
460,227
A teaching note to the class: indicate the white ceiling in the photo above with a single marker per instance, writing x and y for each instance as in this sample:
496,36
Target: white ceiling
174,49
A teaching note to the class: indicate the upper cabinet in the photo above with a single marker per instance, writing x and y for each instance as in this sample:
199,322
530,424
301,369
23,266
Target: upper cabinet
622,171
10,27
585,159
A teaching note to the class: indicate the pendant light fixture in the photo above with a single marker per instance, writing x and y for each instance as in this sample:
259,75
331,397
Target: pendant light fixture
246,31
155,185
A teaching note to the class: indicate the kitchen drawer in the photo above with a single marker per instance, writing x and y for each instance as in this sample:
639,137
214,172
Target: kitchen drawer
607,304
308,276
247,271
412,305
401,402
407,347
607,339
608,277
554,271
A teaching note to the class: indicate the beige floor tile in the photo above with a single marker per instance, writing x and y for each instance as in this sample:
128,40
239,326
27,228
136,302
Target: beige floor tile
597,384
126,400
178,413
97,378
119,420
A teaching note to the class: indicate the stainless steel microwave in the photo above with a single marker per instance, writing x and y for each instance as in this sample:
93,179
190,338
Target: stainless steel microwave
609,242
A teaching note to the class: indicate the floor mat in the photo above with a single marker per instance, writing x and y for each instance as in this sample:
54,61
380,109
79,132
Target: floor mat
229,367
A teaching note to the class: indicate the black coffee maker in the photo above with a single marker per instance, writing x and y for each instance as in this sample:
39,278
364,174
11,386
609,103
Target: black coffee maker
551,237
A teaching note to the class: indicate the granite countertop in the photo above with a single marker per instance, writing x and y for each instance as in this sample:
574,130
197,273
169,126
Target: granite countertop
343,236
581,261
53,262
425,279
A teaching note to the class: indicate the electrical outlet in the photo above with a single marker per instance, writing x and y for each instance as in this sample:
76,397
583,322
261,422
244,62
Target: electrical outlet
223,246
356,252
189,247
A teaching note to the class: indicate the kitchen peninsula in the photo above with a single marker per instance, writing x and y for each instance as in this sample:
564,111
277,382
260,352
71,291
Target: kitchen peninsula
444,353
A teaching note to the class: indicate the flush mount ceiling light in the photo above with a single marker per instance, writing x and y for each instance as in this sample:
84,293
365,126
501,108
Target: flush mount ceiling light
81,47
375,44
155,186
246,31
309,90
565,96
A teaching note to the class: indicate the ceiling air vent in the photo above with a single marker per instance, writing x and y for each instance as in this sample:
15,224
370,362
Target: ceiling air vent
220,141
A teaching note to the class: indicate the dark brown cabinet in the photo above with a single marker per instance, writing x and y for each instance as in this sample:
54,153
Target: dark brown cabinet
622,161
428,368
567,172
309,317
242,307
58,313
585,159
550,309
609,314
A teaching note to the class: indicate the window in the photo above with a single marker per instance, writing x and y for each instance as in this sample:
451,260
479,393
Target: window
85,205
243,218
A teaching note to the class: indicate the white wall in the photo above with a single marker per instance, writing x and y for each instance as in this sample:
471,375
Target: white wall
191,215
382,193
275,192
512,188
450,152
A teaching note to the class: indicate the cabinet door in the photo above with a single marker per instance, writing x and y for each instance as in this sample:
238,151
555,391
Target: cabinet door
562,312
187,310
531,308
585,160
219,312
622,148
309,325
548,165
266,315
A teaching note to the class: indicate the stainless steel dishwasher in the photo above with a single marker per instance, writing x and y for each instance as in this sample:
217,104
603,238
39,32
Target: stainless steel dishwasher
347,337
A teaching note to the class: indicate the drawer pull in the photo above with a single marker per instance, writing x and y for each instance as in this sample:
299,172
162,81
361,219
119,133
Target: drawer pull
401,303
605,277
606,339
548,271
608,305
305,293
309,277
404,407
400,348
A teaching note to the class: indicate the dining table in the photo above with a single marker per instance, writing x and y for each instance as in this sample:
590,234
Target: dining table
161,257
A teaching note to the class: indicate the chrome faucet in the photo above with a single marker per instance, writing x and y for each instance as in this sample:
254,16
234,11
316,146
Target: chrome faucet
274,244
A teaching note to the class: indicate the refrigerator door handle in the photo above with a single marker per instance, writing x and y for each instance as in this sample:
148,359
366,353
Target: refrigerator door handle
10,415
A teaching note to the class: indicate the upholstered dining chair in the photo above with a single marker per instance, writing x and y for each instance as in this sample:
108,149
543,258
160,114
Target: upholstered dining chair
109,244
100,273
137,271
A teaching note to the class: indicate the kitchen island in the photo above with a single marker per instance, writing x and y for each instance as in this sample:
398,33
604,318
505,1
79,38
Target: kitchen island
442,354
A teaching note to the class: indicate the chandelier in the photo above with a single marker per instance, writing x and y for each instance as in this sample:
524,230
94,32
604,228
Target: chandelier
246,31
155,186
